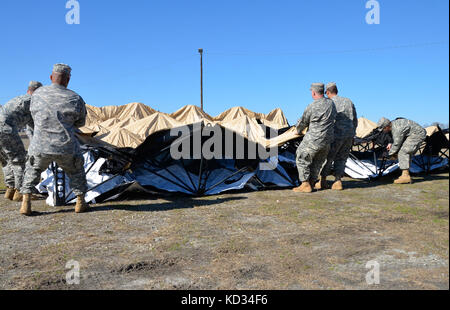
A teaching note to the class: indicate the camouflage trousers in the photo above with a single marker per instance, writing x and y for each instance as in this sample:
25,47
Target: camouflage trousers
8,172
12,148
408,150
73,166
337,158
310,162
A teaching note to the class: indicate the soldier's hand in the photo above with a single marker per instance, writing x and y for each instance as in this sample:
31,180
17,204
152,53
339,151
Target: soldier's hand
389,147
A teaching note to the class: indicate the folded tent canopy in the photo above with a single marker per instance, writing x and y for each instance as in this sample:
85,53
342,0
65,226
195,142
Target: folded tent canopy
131,144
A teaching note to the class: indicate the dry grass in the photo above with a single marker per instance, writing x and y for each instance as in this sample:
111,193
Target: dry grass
258,240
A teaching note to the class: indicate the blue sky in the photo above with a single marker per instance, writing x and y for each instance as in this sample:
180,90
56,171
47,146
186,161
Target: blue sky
258,54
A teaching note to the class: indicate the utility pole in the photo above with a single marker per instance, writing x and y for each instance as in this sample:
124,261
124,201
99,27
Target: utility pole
200,50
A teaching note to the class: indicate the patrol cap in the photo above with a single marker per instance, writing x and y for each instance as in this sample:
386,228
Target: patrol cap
383,123
318,87
34,85
62,68
331,84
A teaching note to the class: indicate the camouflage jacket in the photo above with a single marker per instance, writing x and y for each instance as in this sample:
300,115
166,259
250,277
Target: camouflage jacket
346,118
319,117
57,112
402,129
15,115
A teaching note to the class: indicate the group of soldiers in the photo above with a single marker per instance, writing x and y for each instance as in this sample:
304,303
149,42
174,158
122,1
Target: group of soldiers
332,123
51,115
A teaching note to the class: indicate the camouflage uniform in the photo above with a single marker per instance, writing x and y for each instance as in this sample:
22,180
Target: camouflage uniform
319,118
8,172
344,133
14,116
56,111
408,136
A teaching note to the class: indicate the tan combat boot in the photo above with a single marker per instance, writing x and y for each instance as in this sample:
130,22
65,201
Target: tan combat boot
405,178
26,205
9,194
18,197
337,186
322,184
81,205
304,188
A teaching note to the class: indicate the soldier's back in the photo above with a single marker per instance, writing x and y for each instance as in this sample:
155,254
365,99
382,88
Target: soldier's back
321,126
56,111
16,112
407,126
345,117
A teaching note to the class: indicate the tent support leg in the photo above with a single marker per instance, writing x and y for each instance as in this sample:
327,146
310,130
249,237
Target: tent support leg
95,187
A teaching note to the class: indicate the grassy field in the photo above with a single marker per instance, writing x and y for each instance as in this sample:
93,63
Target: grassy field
258,240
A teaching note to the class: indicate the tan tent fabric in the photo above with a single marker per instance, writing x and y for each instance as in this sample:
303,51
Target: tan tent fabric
87,130
121,137
123,123
277,117
432,130
190,114
109,112
250,129
92,116
237,112
274,125
110,123
92,128
156,122
136,110
289,135
365,127
246,127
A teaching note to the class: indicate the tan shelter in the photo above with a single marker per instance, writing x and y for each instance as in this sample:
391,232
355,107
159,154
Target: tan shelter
121,137
365,127
156,122
277,119
431,130
129,125
237,112
135,110
190,114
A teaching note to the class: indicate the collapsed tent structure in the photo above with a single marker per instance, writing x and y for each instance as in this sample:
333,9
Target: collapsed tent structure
369,158
134,145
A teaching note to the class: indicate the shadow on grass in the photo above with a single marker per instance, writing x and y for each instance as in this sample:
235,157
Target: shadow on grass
187,202
387,180
174,204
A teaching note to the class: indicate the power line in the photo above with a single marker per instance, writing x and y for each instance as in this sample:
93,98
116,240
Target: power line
294,53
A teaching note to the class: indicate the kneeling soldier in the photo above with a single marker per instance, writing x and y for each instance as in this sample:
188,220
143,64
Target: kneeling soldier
408,137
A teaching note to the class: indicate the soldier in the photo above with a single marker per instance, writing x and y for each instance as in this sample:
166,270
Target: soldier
319,118
8,176
408,137
57,112
14,116
344,133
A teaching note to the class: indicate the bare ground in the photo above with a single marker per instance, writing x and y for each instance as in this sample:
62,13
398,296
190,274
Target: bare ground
258,240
